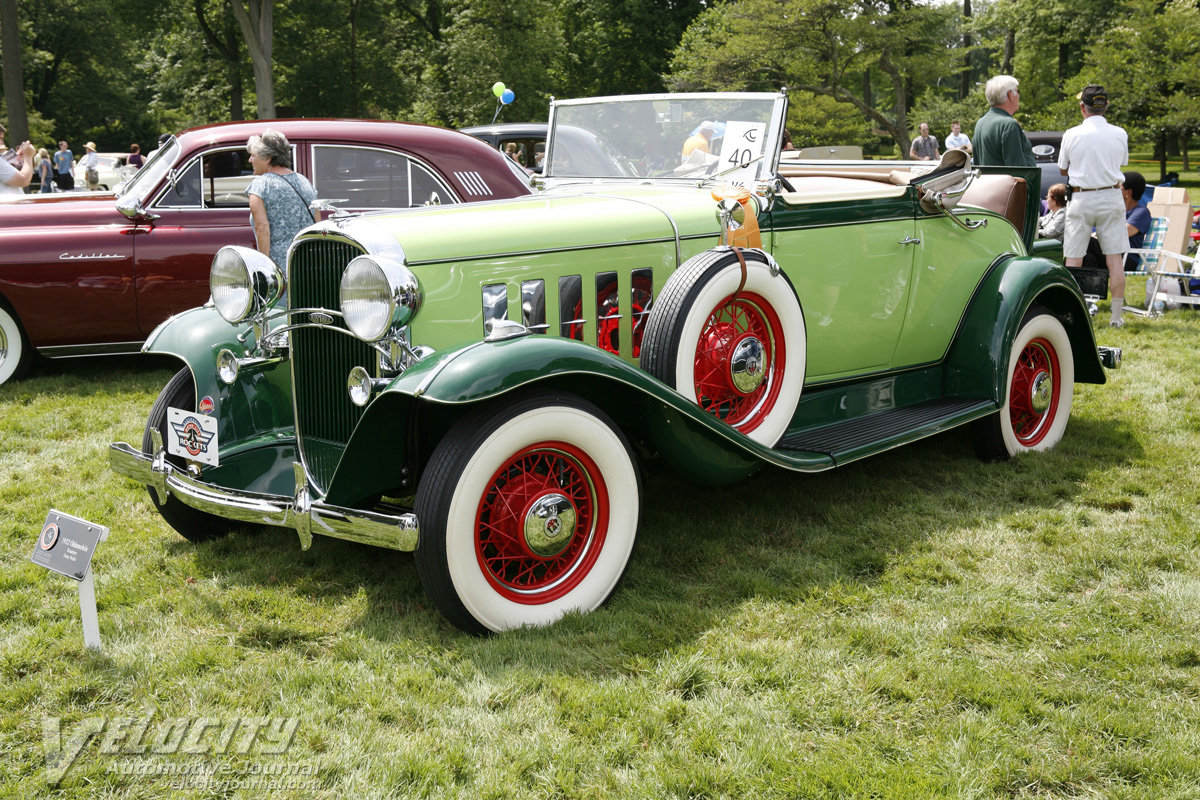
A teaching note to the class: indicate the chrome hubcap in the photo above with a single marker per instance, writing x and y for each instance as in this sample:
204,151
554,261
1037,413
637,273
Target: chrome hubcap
549,525
746,366
1041,392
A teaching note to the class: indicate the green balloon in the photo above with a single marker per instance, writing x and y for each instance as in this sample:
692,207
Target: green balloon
498,88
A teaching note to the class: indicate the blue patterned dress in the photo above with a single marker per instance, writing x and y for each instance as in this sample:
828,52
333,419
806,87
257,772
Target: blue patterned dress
286,199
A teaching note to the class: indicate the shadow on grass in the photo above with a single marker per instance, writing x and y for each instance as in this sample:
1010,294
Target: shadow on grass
703,552
92,375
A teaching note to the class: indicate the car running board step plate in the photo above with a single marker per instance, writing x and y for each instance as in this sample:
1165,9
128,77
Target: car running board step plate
861,436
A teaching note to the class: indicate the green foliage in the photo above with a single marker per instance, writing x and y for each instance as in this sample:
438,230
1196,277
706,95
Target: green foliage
498,40
619,47
834,48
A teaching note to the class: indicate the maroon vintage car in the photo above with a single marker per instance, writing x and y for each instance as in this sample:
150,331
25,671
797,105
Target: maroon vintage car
89,273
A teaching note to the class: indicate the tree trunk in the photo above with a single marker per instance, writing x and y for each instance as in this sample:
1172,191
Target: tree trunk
228,49
354,6
14,81
1010,47
236,92
1185,141
1162,158
257,27
964,86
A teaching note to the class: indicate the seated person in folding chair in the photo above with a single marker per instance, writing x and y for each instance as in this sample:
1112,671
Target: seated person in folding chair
1137,216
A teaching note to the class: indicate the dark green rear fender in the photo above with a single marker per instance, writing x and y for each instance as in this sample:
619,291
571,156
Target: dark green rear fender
977,365
406,421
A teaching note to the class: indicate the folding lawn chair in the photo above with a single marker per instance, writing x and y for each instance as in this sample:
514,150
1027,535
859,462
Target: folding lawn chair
1158,264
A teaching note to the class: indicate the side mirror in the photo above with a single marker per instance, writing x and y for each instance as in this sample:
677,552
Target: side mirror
133,208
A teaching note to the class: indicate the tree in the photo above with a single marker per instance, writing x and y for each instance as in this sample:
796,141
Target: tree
14,73
1151,66
819,46
255,17
225,43
619,46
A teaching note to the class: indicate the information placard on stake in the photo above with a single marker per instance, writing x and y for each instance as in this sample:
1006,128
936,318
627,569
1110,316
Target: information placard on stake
66,545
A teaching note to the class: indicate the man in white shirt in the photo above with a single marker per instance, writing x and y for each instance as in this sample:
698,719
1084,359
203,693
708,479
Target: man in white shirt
957,140
1091,156
13,180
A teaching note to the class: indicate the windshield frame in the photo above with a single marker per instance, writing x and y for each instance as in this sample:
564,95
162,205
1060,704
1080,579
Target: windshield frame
137,190
764,173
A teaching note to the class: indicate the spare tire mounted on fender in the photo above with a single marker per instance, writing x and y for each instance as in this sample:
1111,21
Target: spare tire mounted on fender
728,333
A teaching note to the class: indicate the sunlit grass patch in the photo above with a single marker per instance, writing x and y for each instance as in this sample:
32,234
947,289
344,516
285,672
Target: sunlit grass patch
919,624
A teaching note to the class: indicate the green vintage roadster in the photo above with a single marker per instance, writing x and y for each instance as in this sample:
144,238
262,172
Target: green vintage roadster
469,382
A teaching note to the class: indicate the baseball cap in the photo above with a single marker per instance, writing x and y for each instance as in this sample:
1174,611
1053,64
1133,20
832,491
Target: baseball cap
1093,97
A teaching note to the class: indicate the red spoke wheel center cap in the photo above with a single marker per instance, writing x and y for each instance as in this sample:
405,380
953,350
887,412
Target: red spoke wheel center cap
541,522
1033,401
740,346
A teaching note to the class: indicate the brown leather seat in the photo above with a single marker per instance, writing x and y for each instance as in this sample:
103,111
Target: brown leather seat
1003,194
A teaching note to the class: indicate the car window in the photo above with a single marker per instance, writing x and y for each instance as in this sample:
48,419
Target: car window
218,179
362,177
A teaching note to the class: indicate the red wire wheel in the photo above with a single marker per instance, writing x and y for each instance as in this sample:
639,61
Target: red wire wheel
721,332
1033,401
731,328
541,522
608,316
1040,391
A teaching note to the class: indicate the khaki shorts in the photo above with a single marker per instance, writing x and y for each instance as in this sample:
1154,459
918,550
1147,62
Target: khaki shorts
1103,210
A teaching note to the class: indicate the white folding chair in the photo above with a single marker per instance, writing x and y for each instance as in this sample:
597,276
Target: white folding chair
1158,264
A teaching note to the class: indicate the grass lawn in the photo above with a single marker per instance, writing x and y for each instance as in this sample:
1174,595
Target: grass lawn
917,625
1144,162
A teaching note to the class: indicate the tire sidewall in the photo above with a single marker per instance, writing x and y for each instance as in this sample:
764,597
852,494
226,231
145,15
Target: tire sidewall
1046,326
11,363
710,294
610,453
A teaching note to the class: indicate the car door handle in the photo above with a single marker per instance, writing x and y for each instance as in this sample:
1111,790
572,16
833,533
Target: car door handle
909,240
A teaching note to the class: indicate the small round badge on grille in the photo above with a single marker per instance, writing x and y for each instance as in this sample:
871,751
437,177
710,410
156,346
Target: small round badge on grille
320,318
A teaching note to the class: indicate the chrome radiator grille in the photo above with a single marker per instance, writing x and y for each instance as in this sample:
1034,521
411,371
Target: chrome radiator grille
322,359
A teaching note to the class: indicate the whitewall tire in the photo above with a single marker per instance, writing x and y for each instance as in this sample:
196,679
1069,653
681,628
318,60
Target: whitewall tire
528,509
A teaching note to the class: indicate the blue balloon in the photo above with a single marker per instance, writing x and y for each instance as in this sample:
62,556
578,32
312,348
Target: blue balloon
507,97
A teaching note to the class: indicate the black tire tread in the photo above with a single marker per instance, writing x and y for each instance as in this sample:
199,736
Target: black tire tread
190,523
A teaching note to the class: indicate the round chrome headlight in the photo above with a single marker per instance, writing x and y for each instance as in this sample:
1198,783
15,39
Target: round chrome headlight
378,295
243,282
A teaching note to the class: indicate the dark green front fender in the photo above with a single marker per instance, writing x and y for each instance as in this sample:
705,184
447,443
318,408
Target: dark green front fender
252,414
977,364
406,421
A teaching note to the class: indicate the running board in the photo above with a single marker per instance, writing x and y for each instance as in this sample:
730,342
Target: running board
859,437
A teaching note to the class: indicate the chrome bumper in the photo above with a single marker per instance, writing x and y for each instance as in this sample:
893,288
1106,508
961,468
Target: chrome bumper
301,513
1110,357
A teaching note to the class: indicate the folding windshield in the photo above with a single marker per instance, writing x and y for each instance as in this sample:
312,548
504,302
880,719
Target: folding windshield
687,136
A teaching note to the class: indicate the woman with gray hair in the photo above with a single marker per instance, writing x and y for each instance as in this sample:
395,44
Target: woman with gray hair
279,197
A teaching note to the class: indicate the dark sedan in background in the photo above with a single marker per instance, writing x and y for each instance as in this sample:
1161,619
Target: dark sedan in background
95,273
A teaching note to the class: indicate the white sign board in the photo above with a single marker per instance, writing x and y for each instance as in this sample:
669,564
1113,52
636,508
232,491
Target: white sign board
741,146
192,436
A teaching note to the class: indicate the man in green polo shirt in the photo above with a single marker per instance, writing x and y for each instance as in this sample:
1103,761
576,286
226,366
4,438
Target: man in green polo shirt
999,139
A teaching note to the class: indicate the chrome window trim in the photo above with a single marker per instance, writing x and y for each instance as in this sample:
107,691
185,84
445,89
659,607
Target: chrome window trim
409,158
166,184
